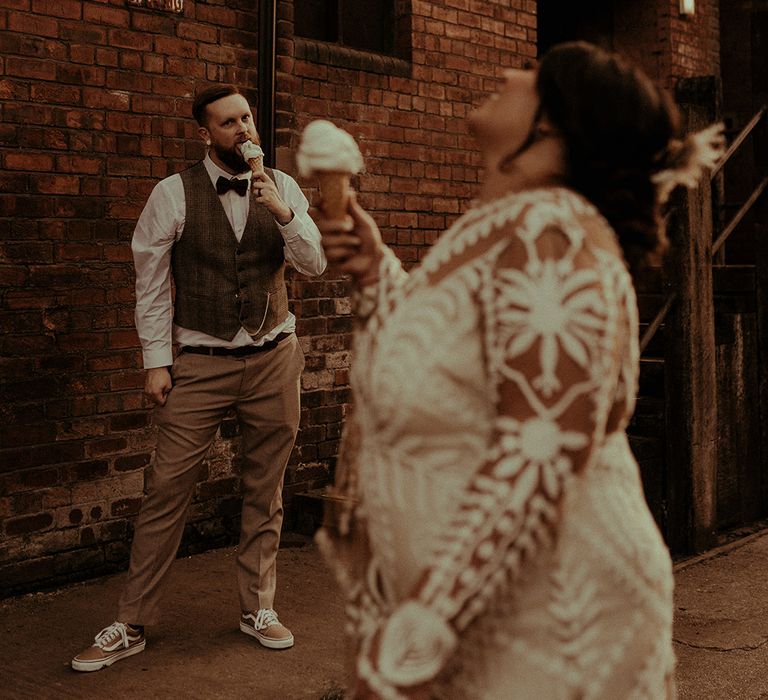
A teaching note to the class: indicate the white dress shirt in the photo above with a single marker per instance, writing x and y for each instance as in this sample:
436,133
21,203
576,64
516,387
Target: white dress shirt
161,224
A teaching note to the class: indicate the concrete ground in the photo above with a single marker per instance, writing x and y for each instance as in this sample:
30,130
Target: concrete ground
721,622
721,634
197,651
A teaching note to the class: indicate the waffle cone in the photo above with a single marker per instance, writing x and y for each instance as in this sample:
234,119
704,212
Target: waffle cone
334,190
256,165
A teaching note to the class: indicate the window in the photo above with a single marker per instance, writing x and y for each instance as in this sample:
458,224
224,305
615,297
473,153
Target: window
368,25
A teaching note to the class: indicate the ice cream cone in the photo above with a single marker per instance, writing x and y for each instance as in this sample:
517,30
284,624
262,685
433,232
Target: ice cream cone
331,155
254,156
334,190
256,165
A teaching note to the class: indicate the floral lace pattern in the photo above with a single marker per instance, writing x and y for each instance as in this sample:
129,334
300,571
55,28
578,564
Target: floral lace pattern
491,385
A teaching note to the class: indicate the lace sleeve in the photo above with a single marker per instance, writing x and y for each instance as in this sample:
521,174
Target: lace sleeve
374,297
551,338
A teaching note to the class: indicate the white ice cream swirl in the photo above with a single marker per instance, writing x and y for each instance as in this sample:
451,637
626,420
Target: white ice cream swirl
326,148
250,150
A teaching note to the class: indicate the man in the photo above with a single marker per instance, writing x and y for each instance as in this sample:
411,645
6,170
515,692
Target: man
224,234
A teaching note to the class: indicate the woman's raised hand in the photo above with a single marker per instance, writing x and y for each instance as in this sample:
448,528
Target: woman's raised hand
353,244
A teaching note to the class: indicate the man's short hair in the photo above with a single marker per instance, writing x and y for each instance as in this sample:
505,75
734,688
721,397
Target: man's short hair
211,94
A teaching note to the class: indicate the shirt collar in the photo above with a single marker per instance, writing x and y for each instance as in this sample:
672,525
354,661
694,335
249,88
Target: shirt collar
215,172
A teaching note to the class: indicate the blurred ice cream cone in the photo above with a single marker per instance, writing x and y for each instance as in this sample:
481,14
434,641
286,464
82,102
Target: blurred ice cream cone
334,190
330,154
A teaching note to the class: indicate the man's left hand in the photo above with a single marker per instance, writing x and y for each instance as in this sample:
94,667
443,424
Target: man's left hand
266,194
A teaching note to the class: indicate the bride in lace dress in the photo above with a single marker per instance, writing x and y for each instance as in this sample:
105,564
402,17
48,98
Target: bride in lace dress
499,545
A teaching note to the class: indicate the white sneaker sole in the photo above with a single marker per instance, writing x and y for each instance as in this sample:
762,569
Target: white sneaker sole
103,663
268,642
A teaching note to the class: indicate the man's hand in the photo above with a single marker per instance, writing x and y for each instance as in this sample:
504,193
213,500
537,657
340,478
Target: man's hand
266,194
158,384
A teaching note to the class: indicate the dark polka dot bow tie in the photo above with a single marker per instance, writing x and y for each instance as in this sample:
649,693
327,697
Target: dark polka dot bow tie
239,185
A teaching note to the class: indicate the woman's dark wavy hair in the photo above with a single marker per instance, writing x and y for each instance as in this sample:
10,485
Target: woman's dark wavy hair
616,125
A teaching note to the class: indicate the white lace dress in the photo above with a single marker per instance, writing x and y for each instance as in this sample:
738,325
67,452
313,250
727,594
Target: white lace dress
510,553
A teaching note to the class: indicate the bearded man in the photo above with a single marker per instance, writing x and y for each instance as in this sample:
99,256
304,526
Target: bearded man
224,233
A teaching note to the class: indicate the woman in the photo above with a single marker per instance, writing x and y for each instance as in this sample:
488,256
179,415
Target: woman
510,552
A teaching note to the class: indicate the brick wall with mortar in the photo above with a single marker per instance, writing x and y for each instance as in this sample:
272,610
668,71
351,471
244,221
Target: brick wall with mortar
669,45
82,143
408,112
96,108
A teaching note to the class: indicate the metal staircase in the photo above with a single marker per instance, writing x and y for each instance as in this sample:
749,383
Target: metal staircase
651,430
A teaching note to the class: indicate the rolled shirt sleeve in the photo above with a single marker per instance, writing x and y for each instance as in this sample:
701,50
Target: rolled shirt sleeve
303,248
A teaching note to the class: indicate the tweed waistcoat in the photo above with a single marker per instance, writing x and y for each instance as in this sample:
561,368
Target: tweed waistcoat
223,285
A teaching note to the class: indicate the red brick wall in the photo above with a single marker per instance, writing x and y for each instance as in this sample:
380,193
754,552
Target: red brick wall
668,45
94,110
690,44
409,117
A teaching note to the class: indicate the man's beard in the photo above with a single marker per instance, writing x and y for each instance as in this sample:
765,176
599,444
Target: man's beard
232,159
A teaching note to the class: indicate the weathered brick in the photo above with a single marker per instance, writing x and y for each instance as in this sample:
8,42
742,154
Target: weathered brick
35,24
30,68
78,118
30,435
26,503
106,446
57,184
128,166
123,486
24,573
125,507
87,471
101,14
28,523
88,559
137,41
218,488
202,33
27,251
82,54
78,164
132,81
128,421
175,47
81,75
69,9
132,462
28,161
154,23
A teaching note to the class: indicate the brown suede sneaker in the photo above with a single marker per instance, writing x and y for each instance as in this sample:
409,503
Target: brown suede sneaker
264,625
113,643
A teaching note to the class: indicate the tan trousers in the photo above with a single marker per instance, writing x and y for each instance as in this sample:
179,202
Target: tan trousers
264,390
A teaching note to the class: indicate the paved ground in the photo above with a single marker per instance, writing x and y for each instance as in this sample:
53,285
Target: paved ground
197,652
721,623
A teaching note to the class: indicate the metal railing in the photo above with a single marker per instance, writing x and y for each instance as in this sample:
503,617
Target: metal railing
654,326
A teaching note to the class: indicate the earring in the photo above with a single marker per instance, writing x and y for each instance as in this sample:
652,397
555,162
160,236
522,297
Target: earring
207,143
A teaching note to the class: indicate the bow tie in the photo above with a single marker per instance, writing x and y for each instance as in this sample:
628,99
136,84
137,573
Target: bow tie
239,185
